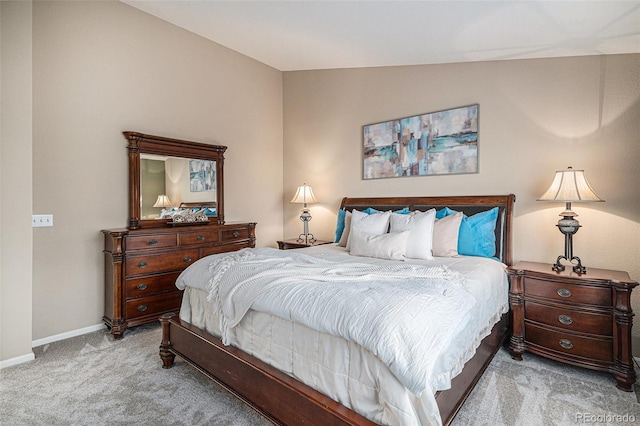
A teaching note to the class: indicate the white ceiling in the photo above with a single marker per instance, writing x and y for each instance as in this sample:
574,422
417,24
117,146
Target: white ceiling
307,34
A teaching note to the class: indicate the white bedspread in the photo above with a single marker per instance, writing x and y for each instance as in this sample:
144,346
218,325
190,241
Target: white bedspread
339,368
384,307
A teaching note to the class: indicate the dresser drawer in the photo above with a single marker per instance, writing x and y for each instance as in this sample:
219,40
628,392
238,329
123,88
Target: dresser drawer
202,237
154,305
173,261
235,234
578,346
151,241
223,249
569,319
598,296
152,285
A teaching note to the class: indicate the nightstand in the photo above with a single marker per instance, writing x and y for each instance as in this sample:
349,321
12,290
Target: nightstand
294,244
578,319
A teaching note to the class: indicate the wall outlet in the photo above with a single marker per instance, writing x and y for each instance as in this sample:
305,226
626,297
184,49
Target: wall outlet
40,220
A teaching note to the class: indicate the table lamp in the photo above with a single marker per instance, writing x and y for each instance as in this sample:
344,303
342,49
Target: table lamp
304,195
569,186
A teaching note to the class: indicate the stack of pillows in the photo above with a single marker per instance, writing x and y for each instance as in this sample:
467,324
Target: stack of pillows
404,234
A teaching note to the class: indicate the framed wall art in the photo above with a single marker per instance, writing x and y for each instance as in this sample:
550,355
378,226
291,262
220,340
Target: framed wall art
436,143
202,175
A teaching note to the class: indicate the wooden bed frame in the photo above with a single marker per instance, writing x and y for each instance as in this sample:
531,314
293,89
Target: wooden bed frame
286,401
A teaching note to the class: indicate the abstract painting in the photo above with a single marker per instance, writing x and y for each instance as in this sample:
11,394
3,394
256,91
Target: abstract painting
436,143
202,174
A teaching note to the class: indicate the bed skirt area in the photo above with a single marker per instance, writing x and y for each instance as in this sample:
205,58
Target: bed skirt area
278,356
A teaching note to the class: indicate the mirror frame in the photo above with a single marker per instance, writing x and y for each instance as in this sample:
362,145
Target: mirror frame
140,143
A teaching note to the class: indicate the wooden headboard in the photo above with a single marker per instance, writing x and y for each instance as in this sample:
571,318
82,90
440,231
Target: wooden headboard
469,205
199,205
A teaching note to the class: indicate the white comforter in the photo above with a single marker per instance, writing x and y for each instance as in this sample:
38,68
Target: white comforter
381,307
357,381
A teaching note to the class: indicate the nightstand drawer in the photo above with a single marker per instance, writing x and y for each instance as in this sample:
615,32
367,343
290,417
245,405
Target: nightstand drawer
151,241
583,347
154,305
138,265
149,286
202,237
598,296
569,319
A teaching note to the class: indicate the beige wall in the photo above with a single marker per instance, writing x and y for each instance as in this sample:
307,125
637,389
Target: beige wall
103,67
536,116
15,181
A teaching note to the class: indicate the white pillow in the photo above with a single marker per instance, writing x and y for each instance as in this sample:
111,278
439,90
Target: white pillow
384,246
376,223
445,235
420,224
345,233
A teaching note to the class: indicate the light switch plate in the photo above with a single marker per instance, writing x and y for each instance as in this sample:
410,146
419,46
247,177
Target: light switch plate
41,220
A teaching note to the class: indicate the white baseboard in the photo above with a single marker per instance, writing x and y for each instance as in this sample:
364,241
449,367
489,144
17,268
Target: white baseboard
66,335
30,357
17,360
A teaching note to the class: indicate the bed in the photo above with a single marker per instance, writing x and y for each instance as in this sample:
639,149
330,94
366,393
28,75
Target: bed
295,373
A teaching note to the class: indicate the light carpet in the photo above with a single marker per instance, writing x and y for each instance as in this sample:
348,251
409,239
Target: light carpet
95,380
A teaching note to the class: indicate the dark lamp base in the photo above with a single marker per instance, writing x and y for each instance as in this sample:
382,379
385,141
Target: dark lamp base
578,268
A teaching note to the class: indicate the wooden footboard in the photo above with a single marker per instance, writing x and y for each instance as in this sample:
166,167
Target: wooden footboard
279,397
284,400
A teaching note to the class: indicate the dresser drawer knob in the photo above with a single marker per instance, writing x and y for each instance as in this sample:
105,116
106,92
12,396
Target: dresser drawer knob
152,242
566,343
142,286
142,265
236,234
187,259
565,319
563,292
142,307
200,238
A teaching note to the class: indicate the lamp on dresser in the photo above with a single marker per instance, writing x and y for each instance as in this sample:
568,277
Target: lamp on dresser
304,195
163,201
569,186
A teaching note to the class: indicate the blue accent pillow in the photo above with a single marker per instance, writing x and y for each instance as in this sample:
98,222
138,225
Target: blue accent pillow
477,233
403,211
340,225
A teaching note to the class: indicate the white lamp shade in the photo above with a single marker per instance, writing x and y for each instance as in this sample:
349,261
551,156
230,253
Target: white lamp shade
163,201
304,194
570,185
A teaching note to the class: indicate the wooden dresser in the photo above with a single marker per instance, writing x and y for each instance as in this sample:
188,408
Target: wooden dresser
579,319
141,267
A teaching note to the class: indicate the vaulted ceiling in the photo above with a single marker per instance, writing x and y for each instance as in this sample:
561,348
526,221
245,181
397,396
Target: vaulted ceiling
307,34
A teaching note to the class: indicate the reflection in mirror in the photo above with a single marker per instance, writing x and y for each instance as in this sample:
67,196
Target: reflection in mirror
171,174
180,180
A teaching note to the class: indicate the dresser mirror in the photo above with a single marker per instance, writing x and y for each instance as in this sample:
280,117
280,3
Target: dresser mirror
166,175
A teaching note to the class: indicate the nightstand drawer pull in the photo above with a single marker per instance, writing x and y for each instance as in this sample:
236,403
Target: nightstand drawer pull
565,319
152,242
200,237
142,307
142,286
566,343
142,265
563,292
187,259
